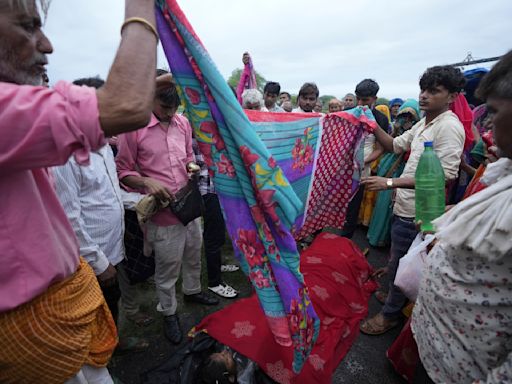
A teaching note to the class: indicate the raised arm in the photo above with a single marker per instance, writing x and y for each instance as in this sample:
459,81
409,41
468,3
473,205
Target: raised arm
385,140
125,101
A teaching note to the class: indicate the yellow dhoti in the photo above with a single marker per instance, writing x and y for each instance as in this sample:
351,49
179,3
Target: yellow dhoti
49,339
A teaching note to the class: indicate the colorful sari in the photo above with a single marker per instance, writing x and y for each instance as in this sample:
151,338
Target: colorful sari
370,197
391,166
278,179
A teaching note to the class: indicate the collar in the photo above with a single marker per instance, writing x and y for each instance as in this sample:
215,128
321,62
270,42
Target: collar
153,121
439,117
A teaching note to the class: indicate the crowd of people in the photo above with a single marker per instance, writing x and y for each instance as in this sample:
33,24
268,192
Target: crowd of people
81,159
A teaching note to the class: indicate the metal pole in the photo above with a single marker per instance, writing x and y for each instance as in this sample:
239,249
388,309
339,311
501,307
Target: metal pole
470,62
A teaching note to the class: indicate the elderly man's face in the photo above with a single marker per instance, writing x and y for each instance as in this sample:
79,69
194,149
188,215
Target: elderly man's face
256,106
349,102
23,45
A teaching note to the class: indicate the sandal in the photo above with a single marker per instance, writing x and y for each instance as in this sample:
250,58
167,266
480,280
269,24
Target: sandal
141,319
377,325
224,290
132,345
229,268
381,296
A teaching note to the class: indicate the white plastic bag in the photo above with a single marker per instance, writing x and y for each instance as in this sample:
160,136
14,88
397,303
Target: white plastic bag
410,269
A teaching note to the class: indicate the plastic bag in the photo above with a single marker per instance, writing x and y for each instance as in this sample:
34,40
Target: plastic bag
410,269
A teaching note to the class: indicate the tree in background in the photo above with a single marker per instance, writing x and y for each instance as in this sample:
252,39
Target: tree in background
235,78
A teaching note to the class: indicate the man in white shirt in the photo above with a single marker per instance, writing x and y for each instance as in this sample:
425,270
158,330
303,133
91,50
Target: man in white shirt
439,87
93,202
308,95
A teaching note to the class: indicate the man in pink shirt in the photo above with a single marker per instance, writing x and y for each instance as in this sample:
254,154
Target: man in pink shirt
154,160
54,323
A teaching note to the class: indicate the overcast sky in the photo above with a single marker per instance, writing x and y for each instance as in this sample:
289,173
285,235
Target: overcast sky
333,43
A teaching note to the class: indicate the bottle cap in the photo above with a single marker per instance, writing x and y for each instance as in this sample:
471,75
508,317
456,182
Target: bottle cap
428,144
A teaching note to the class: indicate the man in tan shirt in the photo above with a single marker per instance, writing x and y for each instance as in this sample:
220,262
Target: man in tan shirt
439,87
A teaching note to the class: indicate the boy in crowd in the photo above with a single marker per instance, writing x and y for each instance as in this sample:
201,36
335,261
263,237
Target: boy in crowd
439,87
270,94
283,97
155,161
366,93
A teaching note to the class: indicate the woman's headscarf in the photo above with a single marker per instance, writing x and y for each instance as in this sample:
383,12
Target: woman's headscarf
411,107
396,100
479,116
461,108
385,110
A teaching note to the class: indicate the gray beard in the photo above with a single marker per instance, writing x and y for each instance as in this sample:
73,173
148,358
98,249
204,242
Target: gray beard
12,73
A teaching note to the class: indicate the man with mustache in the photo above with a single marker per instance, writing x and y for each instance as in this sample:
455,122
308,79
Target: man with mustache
55,326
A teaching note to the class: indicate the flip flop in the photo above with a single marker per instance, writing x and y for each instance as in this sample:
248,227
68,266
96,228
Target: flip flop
224,290
229,268
377,325
132,345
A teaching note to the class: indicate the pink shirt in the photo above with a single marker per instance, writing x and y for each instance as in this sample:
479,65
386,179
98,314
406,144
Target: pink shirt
39,128
160,153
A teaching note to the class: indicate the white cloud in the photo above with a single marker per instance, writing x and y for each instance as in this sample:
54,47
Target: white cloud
335,44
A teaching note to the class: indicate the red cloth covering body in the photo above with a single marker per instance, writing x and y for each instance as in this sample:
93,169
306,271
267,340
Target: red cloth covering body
337,276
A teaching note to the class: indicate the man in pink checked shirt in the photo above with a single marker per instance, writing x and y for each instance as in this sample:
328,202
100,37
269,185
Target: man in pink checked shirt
54,323
154,160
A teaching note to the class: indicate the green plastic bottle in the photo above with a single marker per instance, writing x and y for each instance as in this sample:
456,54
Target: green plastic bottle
430,188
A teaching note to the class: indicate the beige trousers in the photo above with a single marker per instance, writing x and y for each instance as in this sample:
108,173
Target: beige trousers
176,248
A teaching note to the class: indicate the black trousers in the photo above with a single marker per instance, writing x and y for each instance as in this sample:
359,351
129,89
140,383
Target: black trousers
353,213
112,295
421,376
214,237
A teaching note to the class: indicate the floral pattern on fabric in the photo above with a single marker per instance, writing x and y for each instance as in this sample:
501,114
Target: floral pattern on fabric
279,373
243,328
261,206
302,152
317,362
463,329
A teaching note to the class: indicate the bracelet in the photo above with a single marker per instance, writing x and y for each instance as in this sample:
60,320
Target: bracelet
144,22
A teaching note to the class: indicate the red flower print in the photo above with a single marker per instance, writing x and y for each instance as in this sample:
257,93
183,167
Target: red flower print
268,233
249,245
297,149
210,127
248,157
257,214
225,166
308,154
259,279
264,199
193,95
272,162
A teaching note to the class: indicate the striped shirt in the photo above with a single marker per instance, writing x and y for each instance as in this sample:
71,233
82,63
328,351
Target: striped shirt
205,181
92,200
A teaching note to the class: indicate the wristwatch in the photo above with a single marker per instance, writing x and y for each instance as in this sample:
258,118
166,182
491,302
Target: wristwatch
389,183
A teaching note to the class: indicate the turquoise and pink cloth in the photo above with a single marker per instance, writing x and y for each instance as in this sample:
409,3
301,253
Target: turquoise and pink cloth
279,177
